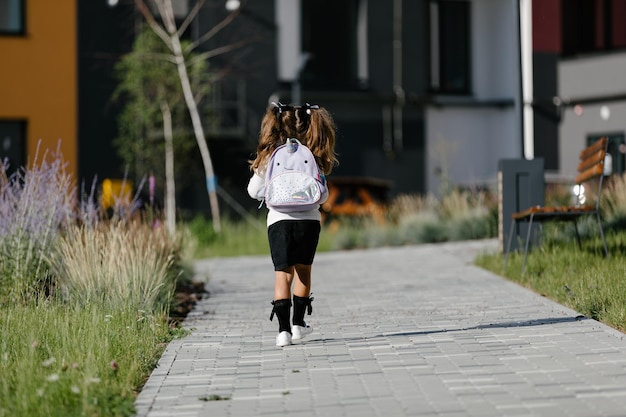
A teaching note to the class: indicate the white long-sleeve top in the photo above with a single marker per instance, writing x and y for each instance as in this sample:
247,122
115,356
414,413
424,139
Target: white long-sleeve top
256,189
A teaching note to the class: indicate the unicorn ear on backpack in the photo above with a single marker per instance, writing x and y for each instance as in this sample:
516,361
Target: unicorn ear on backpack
292,145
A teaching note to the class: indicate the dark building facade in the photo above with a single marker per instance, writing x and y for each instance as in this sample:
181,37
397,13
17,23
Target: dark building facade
425,93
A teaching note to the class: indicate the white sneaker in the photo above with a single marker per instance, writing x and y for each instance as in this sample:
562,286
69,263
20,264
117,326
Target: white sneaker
283,339
300,332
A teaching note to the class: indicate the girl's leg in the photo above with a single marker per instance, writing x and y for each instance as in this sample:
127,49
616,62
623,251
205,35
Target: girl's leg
301,301
302,286
282,305
282,284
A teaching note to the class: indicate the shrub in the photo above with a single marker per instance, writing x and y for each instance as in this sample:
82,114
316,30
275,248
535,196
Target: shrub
116,264
476,226
613,203
414,219
421,227
83,301
558,194
35,205
202,231
406,204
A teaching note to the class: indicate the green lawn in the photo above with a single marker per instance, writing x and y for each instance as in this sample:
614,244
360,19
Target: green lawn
584,280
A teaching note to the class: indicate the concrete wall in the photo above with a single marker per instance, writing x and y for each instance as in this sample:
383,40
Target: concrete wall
465,145
465,140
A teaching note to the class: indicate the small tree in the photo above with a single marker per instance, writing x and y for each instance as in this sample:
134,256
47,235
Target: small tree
170,34
154,103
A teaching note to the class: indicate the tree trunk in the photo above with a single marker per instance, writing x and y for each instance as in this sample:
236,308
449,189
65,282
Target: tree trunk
170,185
211,182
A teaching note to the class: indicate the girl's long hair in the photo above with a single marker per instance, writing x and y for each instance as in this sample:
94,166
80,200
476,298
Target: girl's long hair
313,126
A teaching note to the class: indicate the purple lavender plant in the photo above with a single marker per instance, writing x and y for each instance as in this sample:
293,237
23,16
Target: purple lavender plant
151,187
35,205
89,209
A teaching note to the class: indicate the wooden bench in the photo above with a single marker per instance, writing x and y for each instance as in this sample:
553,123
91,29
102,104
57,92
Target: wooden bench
590,178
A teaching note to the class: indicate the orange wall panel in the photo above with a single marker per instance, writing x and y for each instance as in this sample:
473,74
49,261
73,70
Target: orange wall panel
38,78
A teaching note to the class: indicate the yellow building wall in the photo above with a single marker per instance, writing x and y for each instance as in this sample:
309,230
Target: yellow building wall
38,79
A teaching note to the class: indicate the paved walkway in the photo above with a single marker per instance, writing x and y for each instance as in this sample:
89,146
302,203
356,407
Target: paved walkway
410,331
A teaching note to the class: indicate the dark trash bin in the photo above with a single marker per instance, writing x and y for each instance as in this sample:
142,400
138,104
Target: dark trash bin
521,184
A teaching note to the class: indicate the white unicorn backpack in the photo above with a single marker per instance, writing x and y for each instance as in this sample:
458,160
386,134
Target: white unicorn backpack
293,181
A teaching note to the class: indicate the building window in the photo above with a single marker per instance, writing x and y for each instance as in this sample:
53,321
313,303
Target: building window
450,54
12,144
12,17
331,32
593,26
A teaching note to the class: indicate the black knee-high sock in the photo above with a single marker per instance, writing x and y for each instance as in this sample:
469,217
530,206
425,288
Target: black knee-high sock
282,309
300,306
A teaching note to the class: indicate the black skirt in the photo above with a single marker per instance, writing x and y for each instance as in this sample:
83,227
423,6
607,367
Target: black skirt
293,242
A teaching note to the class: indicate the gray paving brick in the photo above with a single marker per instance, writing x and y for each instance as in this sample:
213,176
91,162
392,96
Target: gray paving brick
411,331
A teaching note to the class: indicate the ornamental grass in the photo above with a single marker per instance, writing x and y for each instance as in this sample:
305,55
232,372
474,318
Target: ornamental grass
84,299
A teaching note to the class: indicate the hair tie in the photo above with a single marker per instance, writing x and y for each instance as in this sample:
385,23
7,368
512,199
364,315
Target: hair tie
279,106
283,107
310,107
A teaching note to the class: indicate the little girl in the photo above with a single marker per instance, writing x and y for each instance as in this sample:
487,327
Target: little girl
293,236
